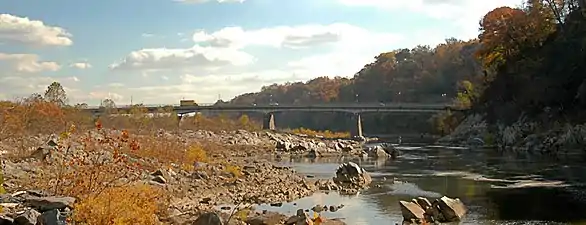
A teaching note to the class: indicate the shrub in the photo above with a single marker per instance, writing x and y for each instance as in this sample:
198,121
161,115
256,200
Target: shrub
234,170
99,166
326,133
136,204
195,153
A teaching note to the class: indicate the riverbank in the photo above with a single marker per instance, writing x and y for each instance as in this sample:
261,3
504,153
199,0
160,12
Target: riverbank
524,135
192,172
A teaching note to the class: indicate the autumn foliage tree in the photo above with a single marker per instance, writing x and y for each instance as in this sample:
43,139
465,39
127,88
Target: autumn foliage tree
534,56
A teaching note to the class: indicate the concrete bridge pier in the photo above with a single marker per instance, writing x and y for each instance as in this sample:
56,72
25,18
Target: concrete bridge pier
357,129
268,121
179,117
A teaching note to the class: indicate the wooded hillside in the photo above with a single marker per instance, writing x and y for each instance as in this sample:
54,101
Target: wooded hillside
527,59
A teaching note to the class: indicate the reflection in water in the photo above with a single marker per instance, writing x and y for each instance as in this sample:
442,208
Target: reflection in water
471,175
564,205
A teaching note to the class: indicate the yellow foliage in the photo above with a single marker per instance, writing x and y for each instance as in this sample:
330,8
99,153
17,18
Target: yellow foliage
317,219
326,133
221,122
234,170
136,204
242,214
195,153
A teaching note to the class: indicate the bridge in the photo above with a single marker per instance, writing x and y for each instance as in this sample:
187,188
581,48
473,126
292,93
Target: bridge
354,109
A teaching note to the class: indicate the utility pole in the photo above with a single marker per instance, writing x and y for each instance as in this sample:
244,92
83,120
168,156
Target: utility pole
131,100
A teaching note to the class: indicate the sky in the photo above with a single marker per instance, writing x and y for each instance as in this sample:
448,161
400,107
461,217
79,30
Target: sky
161,51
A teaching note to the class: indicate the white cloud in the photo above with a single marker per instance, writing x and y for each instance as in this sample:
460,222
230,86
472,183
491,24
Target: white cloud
27,63
195,57
280,36
203,88
205,1
101,95
350,48
463,13
81,65
22,30
355,49
22,86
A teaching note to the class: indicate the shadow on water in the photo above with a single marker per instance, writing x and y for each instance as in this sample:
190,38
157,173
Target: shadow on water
498,188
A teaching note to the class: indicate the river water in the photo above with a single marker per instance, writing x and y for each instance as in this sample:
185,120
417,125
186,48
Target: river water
497,188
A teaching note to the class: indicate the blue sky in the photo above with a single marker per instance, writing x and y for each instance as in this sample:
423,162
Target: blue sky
160,51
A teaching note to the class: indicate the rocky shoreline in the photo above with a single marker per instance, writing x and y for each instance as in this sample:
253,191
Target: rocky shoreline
236,177
522,136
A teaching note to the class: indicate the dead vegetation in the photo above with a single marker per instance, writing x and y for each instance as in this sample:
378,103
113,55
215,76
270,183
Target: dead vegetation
325,133
99,161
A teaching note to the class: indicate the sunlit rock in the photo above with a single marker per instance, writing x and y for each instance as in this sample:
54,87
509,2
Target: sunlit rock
452,209
350,175
411,210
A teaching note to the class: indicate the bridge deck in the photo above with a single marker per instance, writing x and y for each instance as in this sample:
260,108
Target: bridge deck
395,107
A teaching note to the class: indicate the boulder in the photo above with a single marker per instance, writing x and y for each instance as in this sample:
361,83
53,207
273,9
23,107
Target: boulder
350,175
29,217
159,179
49,203
423,202
391,150
51,217
378,152
313,153
452,209
443,210
411,210
5,220
209,218
268,218
44,152
301,218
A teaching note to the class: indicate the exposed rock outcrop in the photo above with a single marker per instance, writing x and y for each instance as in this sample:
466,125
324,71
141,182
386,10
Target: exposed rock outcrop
443,210
351,176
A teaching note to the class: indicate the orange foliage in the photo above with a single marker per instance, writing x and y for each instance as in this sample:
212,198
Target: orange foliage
501,30
506,31
99,166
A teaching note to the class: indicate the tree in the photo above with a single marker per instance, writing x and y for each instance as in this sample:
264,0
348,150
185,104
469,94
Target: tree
505,32
56,94
467,95
81,106
108,104
35,97
501,35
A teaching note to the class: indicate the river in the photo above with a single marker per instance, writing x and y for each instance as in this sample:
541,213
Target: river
497,188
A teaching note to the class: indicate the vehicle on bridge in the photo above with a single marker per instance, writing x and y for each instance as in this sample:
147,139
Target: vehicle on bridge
187,103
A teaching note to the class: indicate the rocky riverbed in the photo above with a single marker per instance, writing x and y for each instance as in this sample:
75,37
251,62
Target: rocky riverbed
235,172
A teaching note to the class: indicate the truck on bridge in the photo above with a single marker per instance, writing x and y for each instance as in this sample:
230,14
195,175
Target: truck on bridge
187,103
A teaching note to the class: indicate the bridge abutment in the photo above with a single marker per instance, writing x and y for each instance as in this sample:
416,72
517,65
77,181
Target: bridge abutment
268,122
356,129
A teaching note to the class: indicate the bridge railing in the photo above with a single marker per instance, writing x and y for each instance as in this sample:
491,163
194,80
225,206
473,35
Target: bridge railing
294,106
150,105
